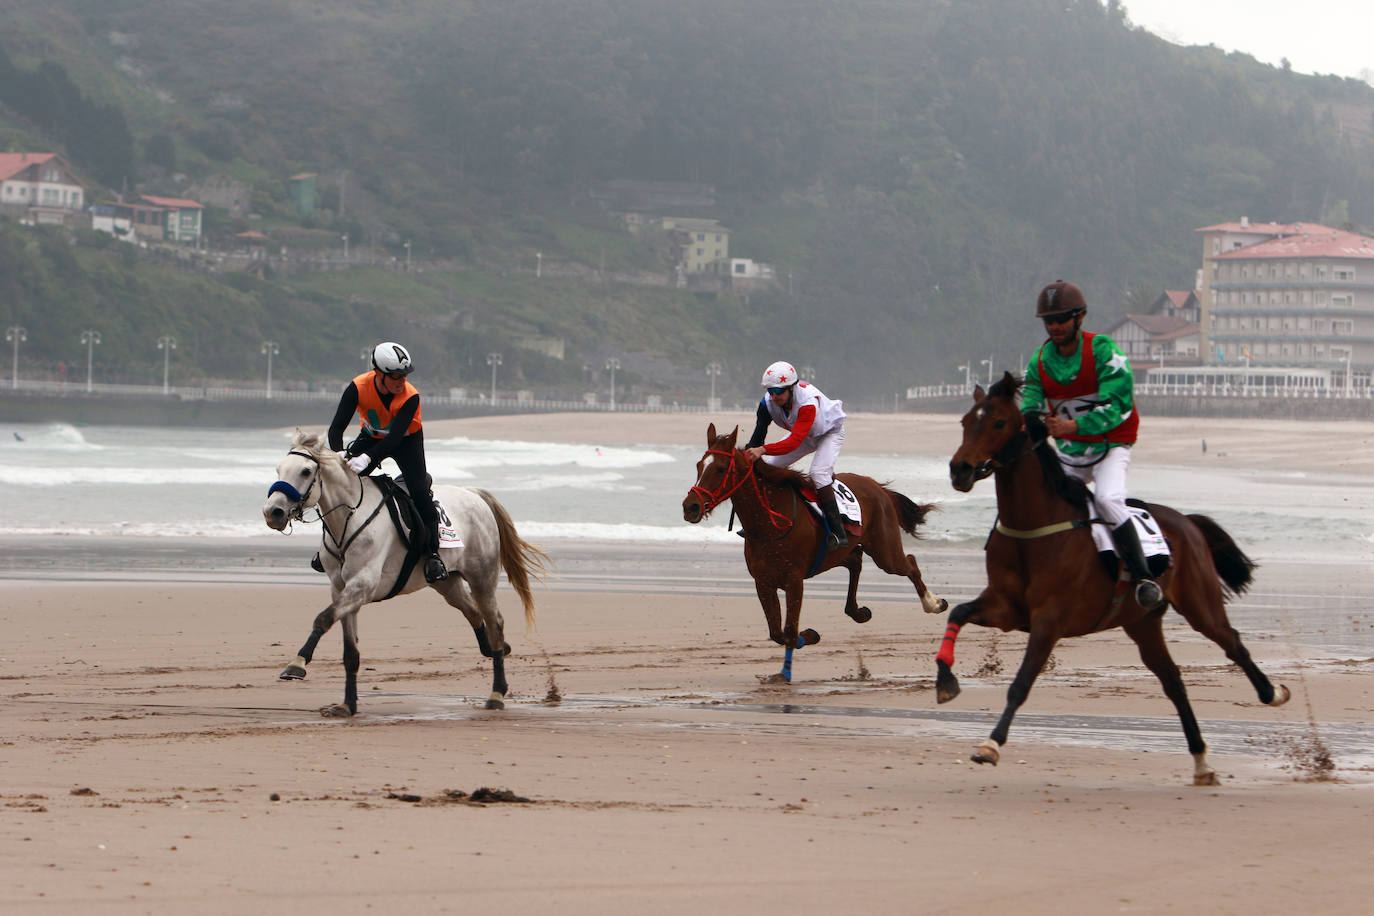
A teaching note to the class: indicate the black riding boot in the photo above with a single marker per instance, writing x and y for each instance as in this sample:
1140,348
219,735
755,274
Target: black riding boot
836,538
1128,549
435,571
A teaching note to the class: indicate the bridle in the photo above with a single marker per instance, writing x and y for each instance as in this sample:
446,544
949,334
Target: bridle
729,484
300,499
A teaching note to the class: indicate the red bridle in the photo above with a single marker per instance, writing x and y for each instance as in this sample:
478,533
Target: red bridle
709,500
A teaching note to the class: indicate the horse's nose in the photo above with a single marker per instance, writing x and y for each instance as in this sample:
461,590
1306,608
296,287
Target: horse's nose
961,475
275,516
691,511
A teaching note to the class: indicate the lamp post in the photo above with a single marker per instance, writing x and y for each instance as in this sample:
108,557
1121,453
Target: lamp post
271,349
345,241
90,339
17,334
538,264
808,373
166,343
968,381
366,355
988,362
493,360
613,364
407,246
1348,386
712,370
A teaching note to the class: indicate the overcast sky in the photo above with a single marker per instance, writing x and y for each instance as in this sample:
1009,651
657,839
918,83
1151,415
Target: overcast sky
1317,36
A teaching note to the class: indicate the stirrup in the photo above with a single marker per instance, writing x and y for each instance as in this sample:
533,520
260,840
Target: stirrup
1149,595
315,563
435,571
836,539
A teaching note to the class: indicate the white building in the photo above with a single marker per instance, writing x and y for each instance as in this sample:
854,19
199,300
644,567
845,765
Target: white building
41,187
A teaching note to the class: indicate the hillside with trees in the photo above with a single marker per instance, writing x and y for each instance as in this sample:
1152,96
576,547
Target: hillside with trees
915,168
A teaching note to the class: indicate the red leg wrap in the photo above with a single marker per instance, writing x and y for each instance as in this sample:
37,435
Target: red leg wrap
946,653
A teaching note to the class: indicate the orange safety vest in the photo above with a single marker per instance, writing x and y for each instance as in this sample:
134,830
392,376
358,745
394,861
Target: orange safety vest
376,417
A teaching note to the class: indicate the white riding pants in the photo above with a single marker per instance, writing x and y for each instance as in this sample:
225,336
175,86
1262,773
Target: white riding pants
1108,479
827,450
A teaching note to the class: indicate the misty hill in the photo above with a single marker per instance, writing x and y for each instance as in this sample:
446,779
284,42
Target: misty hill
919,168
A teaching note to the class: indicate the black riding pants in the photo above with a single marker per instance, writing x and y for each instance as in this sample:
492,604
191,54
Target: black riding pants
410,458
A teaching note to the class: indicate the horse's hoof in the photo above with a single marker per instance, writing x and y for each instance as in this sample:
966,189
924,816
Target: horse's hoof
939,607
808,637
292,673
1281,696
987,753
777,678
946,684
337,711
1206,779
495,702
506,650
860,615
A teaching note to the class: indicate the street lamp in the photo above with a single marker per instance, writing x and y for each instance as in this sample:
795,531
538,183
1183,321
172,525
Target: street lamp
365,354
713,370
808,373
613,364
166,343
968,382
90,339
345,241
17,334
988,362
271,349
538,264
493,360
407,246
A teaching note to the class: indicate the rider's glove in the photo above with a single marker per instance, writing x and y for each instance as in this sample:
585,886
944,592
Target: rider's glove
359,463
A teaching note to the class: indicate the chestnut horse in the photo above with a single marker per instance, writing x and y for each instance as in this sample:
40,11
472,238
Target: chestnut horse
1045,576
783,541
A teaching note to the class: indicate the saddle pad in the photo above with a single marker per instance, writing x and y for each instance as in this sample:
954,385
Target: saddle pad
1152,542
448,532
845,501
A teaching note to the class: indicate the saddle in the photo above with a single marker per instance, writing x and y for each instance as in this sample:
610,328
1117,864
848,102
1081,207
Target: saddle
409,527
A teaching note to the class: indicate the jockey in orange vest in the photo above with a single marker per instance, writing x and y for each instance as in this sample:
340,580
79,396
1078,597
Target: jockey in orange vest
1084,383
388,407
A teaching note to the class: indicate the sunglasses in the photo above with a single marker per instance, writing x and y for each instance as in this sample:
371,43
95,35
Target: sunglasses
777,390
1059,318
395,376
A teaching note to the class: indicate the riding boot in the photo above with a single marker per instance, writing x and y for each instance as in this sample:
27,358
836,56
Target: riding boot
315,563
836,538
1147,592
435,571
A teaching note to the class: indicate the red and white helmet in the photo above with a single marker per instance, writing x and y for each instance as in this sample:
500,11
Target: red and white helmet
780,375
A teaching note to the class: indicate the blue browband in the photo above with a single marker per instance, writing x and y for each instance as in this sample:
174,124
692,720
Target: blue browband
284,487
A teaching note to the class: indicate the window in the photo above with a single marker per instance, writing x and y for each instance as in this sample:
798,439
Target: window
1343,327
700,252
739,268
701,236
1343,273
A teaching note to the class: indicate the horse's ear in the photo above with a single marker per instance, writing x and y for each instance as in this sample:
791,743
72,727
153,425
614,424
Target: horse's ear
710,434
978,393
732,439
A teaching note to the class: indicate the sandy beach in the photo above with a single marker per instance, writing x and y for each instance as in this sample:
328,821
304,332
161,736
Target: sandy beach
154,762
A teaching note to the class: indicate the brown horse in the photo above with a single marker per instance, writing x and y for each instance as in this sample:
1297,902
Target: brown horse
1045,576
783,544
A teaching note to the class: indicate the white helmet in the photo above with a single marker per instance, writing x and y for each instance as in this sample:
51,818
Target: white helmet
779,375
391,358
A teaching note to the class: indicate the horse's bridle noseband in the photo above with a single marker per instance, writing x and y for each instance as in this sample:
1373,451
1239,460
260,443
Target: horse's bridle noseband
290,492
710,500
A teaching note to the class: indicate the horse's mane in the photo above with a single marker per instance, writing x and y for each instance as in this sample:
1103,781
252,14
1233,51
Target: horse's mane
779,475
313,442
1070,489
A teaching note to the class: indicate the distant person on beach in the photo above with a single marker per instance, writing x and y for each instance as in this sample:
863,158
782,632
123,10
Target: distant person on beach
817,425
1085,381
388,407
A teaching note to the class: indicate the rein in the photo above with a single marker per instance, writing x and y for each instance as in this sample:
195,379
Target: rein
298,513
710,500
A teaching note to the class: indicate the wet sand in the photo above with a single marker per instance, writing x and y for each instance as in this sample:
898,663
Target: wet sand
154,762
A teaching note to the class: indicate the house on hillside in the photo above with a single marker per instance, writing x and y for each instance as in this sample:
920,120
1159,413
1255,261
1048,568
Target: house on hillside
1168,334
150,219
702,245
40,188
180,218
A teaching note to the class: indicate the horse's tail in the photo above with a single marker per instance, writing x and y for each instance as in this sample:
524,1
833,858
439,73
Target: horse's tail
910,515
519,558
1234,568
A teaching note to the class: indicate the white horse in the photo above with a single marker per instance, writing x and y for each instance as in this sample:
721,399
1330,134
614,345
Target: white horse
365,557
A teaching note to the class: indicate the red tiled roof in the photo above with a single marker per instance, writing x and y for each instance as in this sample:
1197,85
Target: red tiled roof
1256,228
250,234
179,203
1313,242
1178,297
12,164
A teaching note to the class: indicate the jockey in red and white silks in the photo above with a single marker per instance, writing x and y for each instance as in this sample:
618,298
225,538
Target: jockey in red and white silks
816,424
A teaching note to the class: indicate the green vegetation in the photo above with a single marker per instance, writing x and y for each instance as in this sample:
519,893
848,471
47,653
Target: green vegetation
916,168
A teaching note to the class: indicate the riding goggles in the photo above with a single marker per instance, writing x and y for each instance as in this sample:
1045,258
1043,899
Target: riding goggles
777,390
1058,317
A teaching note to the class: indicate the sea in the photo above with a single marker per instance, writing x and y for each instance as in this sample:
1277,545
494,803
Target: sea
121,502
